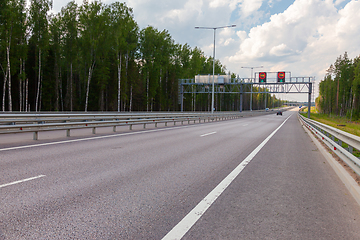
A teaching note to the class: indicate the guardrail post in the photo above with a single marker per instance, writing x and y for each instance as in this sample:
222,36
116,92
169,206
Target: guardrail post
94,130
68,132
130,126
165,124
350,149
144,125
156,124
114,128
36,135
339,142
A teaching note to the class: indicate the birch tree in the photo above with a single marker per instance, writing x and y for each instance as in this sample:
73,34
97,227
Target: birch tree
69,15
124,28
55,45
92,29
12,16
39,26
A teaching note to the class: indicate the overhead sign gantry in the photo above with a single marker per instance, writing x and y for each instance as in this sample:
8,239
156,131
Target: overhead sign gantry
267,82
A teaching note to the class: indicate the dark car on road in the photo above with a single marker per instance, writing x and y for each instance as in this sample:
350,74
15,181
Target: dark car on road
279,113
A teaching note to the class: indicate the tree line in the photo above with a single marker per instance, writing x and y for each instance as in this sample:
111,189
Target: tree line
94,57
339,91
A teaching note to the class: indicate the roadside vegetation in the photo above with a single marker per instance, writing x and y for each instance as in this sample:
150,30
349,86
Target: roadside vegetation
338,104
339,91
338,122
94,57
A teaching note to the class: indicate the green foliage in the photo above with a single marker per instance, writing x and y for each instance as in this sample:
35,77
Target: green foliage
94,57
339,122
340,90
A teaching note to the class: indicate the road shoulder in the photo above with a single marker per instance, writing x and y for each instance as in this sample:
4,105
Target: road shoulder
344,176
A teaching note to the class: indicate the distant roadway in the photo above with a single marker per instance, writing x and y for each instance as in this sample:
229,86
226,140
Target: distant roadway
249,178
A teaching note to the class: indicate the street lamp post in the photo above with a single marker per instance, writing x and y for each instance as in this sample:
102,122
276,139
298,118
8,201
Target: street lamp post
213,83
251,84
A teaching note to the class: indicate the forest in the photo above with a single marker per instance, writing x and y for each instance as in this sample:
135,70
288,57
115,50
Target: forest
339,91
94,57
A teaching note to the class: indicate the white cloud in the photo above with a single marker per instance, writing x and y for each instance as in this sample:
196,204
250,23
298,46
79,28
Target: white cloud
242,35
337,2
228,41
305,39
191,9
250,6
281,50
232,4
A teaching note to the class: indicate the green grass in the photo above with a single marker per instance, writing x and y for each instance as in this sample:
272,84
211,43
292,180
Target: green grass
312,110
335,121
341,123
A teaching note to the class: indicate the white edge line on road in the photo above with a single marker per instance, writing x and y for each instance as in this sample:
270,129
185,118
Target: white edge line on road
21,181
207,134
194,215
89,138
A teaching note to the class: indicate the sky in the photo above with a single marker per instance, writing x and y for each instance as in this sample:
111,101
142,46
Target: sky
303,37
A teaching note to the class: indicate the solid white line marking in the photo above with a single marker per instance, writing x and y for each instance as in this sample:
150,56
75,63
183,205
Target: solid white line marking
21,181
192,217
207,134
90,138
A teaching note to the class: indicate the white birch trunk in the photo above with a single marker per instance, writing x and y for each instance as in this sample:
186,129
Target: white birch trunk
119,79
39,82
26,95
71,87
4,90
9,74
20,87
147,92
160,90
151,105
88,85
40,98
131,96
56,86
126,74
61,91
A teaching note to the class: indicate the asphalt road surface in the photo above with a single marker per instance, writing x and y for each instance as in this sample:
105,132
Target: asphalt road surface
249,178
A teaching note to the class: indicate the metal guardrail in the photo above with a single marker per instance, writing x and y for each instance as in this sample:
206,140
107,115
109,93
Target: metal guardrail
334,139
38,122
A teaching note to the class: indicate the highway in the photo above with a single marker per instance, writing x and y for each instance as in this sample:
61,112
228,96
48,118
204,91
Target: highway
250,178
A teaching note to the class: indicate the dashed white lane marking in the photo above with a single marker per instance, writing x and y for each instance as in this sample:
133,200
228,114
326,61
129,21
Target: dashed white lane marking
194,215
245,125
21,181
207,134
